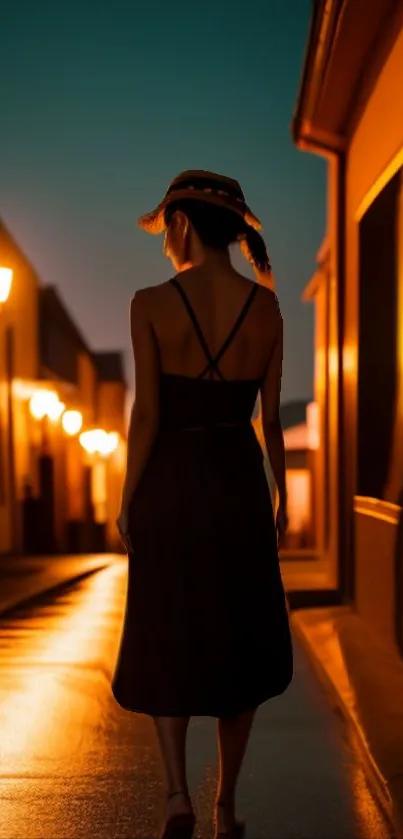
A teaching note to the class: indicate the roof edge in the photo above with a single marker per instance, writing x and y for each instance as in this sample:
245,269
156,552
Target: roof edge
323,20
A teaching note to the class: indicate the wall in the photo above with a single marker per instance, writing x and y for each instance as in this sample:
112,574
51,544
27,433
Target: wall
87,386
326,469
375,153
20,315
320,469
377,556
111,399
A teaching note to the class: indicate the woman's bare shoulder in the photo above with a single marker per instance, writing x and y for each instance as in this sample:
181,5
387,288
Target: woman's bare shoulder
152,300
150,292
269,299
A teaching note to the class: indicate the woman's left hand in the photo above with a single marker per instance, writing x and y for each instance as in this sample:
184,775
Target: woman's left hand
123,528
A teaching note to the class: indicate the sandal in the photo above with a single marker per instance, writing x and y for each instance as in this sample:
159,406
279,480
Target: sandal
237,831
182,825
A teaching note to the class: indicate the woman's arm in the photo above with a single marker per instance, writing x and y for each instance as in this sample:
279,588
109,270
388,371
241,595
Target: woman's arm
144,415
272,430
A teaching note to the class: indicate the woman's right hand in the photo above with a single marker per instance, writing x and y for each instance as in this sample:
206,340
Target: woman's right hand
281,523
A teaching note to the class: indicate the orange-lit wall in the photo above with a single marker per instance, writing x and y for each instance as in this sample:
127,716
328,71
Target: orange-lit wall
376,525
20,313
299,501
111,399
330,334
74,479
325,460
375,153
321,477
87,385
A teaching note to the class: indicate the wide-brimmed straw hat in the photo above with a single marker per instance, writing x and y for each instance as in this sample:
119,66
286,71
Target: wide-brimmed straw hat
204,186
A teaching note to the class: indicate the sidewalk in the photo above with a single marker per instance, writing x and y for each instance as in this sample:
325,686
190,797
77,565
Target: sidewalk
365,680
24,578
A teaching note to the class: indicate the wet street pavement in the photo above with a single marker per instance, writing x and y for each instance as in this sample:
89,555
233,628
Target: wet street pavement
74,765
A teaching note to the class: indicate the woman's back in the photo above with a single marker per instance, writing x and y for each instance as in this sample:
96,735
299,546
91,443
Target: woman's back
217,300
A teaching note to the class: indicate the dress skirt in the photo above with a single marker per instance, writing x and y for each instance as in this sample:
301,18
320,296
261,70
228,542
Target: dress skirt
206,627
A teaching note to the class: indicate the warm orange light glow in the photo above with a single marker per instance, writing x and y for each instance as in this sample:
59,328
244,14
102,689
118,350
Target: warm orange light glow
333,362
299,497
33,712
55,410
46,403
99,491
296,437
119,456
23,389
6,279
72,422
112,442
89,440
39,403
350,360
98,441
312,419
320,369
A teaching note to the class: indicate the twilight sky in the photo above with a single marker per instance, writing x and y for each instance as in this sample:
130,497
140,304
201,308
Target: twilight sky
103,103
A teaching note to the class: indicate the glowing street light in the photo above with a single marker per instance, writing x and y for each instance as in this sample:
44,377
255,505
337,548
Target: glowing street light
113,442
38,404
98,441
89,441
6,279
72,422
107,443
46,403
55,410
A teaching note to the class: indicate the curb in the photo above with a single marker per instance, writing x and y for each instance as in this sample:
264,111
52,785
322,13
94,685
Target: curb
49,590
376,780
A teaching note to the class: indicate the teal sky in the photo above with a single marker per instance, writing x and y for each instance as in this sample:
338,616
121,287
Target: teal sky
102,103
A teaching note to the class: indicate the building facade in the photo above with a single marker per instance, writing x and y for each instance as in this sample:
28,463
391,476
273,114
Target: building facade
349,111
62,429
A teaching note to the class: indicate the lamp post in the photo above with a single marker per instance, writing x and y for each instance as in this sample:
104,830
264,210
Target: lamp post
6,279
47,408
99,445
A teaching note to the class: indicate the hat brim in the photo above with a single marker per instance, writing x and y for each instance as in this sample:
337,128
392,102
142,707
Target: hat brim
154,222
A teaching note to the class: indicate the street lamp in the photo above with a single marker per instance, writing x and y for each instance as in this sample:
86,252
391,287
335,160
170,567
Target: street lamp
99,442
46,403
99,445
72,422
6,279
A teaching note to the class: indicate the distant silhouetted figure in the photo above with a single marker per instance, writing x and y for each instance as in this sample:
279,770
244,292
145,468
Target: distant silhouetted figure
206,629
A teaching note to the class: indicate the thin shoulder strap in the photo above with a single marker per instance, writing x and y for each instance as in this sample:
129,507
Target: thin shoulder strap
211,362
237,325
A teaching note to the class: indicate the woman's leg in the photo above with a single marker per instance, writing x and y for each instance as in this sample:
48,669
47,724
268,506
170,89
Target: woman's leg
171,733
233,736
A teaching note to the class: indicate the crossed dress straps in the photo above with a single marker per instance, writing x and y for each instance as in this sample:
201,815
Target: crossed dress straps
212,365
